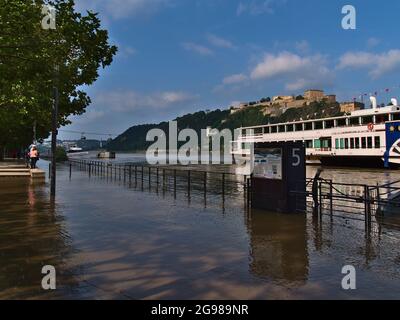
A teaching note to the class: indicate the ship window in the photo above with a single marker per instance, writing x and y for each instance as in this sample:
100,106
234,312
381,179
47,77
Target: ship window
396,116
317,144
351,143
354,121
367,120
382,118
258,130
308,125
357,143
290,128
309,144
274,129
318,125
346,143
369,142
377,142
299,127
342,122
281,128
342,143
337,144
329,124
364,142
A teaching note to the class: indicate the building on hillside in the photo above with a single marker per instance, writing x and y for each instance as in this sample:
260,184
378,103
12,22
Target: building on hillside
288,102
278,99
314,95
331,98
347,107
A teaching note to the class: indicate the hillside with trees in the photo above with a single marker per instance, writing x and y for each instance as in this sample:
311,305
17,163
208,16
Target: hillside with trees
134,139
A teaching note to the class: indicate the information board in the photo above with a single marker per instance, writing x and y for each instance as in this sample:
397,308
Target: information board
268,163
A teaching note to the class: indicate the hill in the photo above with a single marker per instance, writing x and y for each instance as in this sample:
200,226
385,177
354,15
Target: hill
134,139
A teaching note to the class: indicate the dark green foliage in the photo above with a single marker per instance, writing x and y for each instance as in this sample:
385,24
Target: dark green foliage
61,154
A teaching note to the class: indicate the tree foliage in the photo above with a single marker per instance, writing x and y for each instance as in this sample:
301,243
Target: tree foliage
33,60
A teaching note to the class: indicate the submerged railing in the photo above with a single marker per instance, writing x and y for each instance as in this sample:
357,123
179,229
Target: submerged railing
350,201
168,178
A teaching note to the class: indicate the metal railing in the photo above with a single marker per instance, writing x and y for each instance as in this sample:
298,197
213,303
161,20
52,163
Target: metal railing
359,202
168,178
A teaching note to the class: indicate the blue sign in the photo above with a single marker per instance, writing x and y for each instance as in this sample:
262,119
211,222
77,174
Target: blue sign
392,140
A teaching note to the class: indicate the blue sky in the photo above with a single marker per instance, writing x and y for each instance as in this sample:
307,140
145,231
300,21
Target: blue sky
181,56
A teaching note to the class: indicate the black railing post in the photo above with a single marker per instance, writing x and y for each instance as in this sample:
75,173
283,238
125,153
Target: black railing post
149,177
331,195
188,183
175,182
223,184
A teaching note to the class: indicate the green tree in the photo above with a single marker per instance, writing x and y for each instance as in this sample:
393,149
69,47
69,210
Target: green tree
33,60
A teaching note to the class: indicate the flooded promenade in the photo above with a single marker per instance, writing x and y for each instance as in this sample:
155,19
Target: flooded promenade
110,240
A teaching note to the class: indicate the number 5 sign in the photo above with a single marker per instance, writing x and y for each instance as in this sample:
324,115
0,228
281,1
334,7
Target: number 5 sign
296,157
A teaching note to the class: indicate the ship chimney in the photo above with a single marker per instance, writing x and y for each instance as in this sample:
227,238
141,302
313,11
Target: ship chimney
374,102
394,102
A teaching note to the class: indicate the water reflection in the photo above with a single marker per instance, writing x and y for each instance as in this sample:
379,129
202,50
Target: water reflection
278,244
32,235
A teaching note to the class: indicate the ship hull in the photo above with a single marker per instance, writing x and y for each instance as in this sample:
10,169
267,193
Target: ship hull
356,162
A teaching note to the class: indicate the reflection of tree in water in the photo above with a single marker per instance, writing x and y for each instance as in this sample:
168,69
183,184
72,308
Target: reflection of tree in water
279,247
32,235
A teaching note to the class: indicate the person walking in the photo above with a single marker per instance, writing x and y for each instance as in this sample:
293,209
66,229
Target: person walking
34,155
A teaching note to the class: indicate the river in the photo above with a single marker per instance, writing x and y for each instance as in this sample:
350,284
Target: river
109,240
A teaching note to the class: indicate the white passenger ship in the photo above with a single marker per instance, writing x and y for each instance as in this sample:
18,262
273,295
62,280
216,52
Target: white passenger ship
368,137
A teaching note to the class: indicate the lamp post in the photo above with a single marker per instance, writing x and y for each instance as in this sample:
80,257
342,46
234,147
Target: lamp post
54,132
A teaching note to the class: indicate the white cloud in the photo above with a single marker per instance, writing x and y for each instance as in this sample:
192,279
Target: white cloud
286,63
258,7
373,42
235,78
126,51
197,48
128,101
119,9
295,71
302,46
220,42
378,64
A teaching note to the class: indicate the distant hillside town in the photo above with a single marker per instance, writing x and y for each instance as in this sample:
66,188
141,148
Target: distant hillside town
280,104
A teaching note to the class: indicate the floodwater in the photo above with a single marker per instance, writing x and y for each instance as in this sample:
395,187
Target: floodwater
110,240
